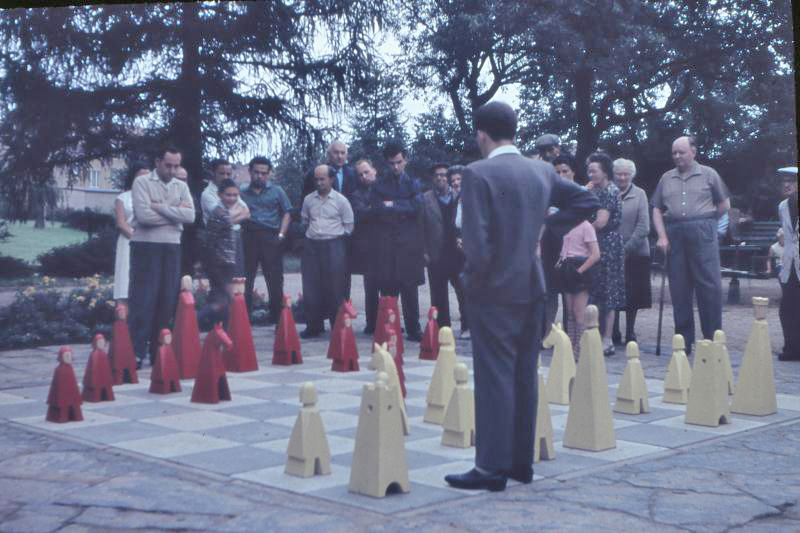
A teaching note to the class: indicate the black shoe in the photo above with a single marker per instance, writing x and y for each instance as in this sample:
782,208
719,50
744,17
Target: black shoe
474,480
784,356
632,338
414,336
523,475
310,333
369,330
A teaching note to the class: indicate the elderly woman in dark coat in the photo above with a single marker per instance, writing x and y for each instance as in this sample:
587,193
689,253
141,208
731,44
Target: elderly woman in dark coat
634,229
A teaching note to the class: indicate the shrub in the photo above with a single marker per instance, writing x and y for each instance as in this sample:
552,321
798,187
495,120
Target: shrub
11,267
88,220
95,256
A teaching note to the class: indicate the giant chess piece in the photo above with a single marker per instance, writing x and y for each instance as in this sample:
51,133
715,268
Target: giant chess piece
64,398
123,360
561,376
708,392
719,338
342,348
242,356
442,382
459,418
186,334
308,450
589,422
429,347
386,304
346,309
286,349
679,374
379,460
397,356
543,433
755,392
211,383
165,377
382,361
97,380
632,391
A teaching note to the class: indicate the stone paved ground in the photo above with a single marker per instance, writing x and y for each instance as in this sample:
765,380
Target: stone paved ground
749,480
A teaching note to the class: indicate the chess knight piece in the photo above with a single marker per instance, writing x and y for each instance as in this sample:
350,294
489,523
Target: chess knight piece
165,377
123,360
97,380
561,376
186,334
64,399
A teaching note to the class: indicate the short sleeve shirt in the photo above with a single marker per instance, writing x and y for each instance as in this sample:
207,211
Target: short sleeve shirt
576,241
696,194
267,206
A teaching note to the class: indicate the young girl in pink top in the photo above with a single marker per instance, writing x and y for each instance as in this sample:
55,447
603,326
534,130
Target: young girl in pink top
579,252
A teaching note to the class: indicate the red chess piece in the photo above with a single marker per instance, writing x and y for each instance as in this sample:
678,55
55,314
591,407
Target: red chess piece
395,325
165,377
385,304
211,384
64,399
123,360
429,347
186,337
286,350
343,349
242,357
97,380
391,345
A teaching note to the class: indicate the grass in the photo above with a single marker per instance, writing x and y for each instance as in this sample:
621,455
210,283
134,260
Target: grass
27,243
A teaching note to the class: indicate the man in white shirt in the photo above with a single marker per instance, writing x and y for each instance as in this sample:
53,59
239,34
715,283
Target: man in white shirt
221,169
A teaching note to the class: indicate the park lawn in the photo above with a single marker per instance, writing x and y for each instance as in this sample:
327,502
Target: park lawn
27,243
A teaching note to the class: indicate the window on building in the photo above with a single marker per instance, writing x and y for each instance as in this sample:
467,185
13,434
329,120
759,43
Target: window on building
94,178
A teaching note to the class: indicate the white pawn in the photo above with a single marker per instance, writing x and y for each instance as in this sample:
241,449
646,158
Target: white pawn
679,374
561,376
543,433
719,338
442,382
708,393
755,392
382,361
308,450
459,419
632,391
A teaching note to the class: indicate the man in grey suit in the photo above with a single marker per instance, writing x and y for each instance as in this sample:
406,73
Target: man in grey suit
505,199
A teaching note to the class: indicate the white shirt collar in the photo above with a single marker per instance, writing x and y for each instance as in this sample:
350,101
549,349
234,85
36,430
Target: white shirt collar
505,149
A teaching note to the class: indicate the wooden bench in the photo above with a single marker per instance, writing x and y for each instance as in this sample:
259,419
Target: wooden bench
747,256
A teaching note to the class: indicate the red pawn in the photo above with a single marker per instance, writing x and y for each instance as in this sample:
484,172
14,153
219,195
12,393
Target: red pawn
97,380
242,357
343,349
211,384
429,347
165,377
186,337
391,345
286,350
123,360
385,304
64,399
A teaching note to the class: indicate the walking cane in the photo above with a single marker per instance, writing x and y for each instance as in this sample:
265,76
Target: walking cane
661,304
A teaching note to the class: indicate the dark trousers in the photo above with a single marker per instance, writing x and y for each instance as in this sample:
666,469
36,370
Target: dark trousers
409,299
324,269
505,347
263,247
370,301
216,308
439,275
790,315
694,268
155,280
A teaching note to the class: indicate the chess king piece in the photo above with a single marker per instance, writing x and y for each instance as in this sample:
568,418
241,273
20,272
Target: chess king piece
719,338
242,356
679,374
755,392
632,391
397,357
308,450
459,417
429,347
97,380
382,361
165,377
379,460
442,382
345,353
385,304
123,360
64,399
589,422
561,376
286,349
186,334
211,383
708,392
346,309
543,434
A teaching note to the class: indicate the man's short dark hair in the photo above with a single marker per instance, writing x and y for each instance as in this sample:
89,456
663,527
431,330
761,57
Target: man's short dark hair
392,149
226,184
259,160
437,166
498,120
215,164
566,159
172,149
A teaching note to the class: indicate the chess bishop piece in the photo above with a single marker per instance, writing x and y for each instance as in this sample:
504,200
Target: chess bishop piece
165,377
382,361
543,433
429,347
679,374
459,417
755,392
708,392
211,383
286,349
345,309
123,360
97,380
442,381
64,399
242,356
308,450
342,348
632,391
186,334
561,375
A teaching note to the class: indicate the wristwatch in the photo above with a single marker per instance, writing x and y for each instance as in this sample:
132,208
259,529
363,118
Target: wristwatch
281,236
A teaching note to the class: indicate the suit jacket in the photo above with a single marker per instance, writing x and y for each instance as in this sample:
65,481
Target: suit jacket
433,225
350,182
504,203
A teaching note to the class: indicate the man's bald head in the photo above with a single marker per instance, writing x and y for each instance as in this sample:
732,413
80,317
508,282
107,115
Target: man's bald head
337,154
323,178
683,152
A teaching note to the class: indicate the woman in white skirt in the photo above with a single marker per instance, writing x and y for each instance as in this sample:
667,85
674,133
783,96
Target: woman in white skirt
123,210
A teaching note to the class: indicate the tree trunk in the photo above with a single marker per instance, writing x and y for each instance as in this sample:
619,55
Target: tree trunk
587,133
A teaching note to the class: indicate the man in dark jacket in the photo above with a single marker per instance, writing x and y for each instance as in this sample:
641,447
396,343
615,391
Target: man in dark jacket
363,239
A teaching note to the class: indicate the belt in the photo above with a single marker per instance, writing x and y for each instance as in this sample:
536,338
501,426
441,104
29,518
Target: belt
693,218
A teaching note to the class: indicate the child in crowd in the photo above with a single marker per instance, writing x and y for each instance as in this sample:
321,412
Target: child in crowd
775,255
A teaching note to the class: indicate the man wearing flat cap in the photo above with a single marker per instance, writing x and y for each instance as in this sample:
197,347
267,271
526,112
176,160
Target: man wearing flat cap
548,147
